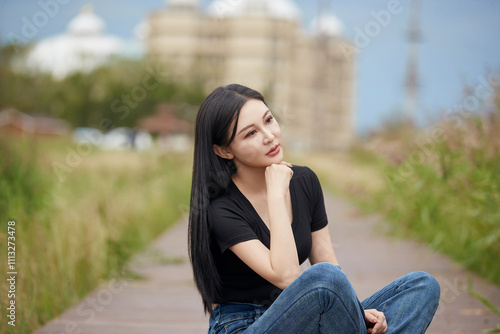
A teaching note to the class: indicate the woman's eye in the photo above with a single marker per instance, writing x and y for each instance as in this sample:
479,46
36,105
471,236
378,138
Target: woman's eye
269,119
250,133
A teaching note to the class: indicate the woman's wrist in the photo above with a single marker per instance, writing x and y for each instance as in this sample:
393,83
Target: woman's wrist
275,196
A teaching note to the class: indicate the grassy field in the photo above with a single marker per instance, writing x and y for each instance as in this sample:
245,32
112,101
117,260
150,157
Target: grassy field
79,217
80,214
440,186
446,192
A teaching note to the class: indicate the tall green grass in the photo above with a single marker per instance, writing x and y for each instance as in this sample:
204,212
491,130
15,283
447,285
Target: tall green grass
72,235
443,188
440,186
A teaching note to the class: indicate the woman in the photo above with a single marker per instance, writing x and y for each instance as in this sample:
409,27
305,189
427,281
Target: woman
255,218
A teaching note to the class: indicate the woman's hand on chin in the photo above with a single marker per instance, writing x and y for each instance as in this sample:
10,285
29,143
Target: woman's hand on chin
278,179
283,163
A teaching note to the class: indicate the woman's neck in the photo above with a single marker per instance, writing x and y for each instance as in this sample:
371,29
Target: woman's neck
250,180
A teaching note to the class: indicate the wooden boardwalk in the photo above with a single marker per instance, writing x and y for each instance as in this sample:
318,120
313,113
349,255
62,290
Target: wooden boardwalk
166,301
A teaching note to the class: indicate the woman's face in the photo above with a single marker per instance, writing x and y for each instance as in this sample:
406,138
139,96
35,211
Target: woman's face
257,142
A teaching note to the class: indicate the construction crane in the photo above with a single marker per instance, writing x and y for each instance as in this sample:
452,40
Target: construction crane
412,80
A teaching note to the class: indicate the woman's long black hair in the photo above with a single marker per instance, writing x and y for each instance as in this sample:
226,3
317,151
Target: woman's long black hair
211,177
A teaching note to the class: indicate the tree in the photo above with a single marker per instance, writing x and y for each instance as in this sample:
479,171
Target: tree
122,91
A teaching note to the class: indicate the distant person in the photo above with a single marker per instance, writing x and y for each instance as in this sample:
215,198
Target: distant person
255,218
132,138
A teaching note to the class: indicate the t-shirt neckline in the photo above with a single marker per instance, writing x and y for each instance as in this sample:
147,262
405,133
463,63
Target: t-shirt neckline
256,214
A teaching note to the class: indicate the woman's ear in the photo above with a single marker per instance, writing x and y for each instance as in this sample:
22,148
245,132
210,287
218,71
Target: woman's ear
223,152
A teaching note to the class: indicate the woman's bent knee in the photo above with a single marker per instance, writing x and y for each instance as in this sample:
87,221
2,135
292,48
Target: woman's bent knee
323,269
326,275
428,284
328,286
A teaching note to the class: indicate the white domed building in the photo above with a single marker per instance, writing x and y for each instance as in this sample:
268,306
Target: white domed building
83,47
326,25
306,76
276,9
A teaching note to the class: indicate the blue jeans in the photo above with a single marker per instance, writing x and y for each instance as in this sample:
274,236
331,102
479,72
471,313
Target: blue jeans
322,300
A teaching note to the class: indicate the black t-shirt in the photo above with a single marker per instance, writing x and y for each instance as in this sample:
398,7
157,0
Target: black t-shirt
233,220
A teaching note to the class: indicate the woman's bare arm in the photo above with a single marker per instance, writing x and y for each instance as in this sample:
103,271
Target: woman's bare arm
322,247
279,264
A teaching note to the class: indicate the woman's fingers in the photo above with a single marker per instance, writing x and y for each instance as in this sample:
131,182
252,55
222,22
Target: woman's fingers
380,325
286,163
278,179
378,321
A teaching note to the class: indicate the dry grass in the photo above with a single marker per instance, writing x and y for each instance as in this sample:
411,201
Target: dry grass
341,172
440,186
83,230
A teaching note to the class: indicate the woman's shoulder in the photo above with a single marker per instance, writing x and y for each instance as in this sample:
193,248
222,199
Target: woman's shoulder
302,172
226,199
306,179
227,208
222,198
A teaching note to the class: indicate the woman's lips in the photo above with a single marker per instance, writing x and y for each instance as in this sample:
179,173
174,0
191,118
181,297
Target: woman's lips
273,151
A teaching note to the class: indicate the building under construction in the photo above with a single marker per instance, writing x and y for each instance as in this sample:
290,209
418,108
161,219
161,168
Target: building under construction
307,77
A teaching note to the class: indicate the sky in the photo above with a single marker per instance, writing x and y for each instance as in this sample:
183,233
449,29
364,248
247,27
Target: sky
459,47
